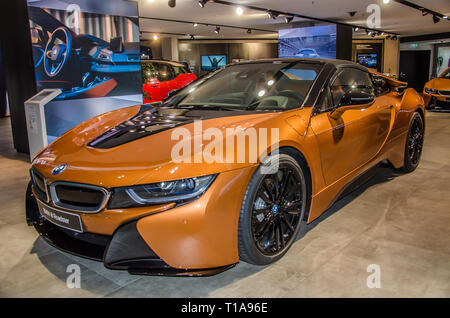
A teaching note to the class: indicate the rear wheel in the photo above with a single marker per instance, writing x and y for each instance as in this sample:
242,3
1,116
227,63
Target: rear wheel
414,143
272,212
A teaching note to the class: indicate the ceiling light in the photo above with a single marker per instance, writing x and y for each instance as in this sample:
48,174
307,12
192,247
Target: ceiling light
217,30
356,29
249,31
239,11
202,3
195,24
436,19
386,1
445,16
373,34
288,19
155,37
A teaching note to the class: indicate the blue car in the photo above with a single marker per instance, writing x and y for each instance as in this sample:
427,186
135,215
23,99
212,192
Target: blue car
307,53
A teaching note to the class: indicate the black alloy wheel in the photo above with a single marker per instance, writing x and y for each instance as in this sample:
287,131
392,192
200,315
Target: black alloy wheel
272,212
414,143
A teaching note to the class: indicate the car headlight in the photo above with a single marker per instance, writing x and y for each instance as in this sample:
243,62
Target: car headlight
430,90
179,191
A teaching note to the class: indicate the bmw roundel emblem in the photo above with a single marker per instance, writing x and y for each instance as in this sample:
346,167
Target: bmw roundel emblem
59,169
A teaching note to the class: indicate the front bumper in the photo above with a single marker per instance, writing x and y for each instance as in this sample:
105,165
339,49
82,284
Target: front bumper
195,239
124,250
434,100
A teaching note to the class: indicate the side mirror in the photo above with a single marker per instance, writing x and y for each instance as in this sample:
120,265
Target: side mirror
172,92
351,101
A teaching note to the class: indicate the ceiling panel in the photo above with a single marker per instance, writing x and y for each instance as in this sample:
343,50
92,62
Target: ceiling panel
394,17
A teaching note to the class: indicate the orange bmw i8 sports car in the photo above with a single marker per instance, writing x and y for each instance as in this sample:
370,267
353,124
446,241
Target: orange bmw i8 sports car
111,189
436,92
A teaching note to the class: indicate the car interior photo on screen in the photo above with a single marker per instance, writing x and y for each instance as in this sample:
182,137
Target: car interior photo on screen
225,149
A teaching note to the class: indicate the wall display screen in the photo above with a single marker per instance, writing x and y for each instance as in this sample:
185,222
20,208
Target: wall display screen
443,59
213,62
369,60
89,50
309,42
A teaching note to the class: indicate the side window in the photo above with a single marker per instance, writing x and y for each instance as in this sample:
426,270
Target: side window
148,72
177,70
164,72
350,80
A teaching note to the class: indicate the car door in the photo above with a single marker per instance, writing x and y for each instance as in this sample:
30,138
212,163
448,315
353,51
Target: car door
182,76
356,136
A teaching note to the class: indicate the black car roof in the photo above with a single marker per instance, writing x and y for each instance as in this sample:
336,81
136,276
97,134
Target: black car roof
335,62
174,63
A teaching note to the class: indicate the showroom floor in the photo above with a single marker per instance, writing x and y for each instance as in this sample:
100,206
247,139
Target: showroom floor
399,222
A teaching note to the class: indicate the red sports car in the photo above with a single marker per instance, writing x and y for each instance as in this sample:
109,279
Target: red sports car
160,77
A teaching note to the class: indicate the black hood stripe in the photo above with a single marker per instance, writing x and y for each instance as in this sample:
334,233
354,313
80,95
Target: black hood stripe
153,119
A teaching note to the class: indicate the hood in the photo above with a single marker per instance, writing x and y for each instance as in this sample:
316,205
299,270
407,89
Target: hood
134,145
441,84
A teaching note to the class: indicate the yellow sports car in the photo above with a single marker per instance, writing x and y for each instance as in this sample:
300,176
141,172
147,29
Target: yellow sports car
437,91
112,190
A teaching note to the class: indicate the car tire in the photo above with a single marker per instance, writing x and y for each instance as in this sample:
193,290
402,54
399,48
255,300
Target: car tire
256,214
414,143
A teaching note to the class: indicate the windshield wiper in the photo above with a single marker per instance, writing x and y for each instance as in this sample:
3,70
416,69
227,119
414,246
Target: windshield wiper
209,107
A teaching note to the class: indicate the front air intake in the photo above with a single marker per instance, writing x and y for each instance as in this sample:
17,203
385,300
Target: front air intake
79,197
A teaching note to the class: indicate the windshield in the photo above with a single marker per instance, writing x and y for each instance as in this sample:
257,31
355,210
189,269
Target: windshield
275,86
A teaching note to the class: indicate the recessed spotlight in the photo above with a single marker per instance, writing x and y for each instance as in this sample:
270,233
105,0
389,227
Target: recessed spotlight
386,1
202,3
217,30
356,29
155,37
239,11
445,16
288,19
195,24
249,31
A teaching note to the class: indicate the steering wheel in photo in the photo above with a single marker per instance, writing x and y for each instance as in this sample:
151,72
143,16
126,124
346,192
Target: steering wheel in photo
57,53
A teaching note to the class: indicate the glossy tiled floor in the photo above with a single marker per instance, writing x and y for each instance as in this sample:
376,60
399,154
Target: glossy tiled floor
401,223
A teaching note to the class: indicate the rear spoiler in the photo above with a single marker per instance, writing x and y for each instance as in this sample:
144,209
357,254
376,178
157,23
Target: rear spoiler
392,82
